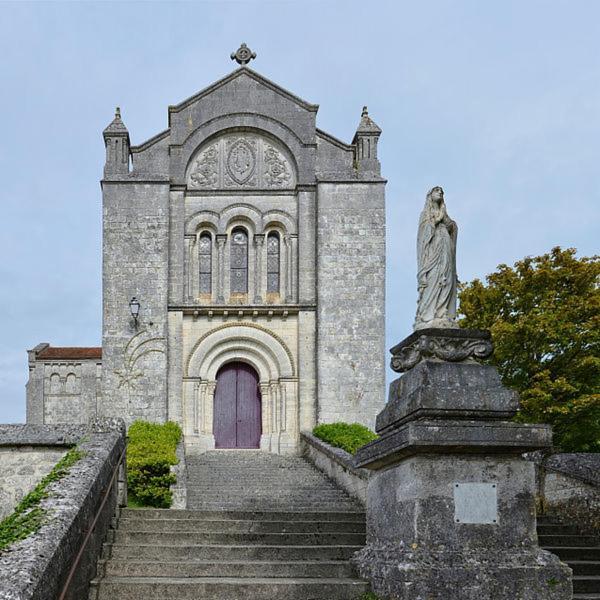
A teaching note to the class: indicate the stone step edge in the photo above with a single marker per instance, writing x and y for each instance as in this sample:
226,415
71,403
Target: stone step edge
253,546
226,562
176,511
127,520
189,581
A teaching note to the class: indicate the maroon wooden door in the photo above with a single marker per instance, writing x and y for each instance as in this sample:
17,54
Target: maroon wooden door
237,415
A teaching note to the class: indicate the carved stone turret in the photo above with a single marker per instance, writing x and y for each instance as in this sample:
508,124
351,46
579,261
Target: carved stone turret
116,140
365,143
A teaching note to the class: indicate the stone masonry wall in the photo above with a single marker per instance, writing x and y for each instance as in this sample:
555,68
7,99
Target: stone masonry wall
135,263
351,301
37,567
23,467
63,391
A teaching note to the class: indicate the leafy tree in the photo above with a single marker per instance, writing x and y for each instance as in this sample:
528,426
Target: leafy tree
544,315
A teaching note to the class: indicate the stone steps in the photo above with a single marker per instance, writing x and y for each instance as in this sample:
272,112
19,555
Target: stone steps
228,588
234,568
257,527
356,514
229,552
579,550
239,526
184,538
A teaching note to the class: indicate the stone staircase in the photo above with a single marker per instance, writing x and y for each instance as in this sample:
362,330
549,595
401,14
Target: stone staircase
254,480
581,552
258,527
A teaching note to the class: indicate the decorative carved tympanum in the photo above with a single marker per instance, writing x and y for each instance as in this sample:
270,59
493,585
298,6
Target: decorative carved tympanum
241,160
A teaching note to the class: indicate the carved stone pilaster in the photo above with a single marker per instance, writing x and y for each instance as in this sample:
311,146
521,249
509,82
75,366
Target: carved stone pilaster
452,345
294,269
221,239
259,242
197,406
289,262
209,406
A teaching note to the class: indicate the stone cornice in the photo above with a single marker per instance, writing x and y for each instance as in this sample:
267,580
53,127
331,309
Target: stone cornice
346,179
335,141
151,141
133,179
233,311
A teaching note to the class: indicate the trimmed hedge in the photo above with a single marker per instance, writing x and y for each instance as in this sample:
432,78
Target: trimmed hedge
150,453
348,436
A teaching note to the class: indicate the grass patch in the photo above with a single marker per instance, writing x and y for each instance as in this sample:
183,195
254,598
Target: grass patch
150,454
348,436
370,596
28,515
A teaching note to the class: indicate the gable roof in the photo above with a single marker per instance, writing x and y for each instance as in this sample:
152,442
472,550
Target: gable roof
57,353
248,72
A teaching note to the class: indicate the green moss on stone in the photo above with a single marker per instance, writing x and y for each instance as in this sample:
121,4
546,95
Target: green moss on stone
29,516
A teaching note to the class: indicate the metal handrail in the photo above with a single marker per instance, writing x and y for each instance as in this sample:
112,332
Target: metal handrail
93,525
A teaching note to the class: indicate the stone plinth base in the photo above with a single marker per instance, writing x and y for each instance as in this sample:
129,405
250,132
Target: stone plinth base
417,573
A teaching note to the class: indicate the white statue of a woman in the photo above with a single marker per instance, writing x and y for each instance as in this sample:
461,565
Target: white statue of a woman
436,259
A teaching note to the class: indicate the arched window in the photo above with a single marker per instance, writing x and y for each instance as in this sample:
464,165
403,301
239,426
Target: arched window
239,262
71,384
205,260
273,262
55,383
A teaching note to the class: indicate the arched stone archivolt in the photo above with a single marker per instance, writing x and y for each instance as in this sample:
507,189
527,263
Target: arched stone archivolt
298,151
268,354
247,335
220,222
204,218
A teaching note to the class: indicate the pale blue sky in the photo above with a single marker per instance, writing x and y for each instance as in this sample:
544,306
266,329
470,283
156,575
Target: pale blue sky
498,102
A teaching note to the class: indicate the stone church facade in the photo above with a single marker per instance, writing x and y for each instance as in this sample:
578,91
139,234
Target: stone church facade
254,243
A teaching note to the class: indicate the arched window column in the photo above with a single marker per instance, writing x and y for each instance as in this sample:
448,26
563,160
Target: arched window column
259,288
221,267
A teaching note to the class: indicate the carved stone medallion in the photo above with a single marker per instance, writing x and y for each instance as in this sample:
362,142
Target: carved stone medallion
276,172
205,172
241,161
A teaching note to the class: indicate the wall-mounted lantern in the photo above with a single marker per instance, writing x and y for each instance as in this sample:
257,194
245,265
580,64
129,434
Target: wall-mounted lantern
134,308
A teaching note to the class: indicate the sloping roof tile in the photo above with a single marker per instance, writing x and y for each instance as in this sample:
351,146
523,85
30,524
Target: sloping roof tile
56,353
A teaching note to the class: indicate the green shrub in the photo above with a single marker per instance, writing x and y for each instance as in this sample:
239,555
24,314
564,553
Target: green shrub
348,436
28,515
150,453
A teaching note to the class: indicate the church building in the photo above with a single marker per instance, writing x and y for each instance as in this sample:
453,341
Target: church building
243,276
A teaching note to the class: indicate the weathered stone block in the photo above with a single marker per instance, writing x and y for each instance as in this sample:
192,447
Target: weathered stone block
460,437
401,573
447,390
416,548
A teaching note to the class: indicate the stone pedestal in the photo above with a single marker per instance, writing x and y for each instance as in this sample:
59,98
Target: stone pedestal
451,508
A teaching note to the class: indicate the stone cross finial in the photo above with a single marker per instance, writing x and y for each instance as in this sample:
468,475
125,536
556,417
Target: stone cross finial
243,55
117,112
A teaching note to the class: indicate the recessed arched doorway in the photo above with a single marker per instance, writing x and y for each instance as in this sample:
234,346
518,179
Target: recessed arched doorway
237,410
